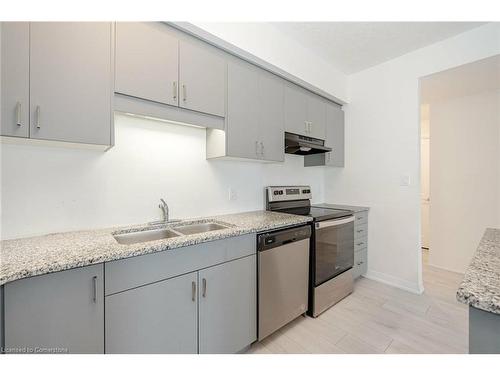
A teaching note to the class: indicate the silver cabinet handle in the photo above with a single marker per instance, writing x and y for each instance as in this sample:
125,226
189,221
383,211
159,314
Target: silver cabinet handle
18,113
262,148
37,117
306,126
184,94
94,289
174,89
204,292
193,291
310,127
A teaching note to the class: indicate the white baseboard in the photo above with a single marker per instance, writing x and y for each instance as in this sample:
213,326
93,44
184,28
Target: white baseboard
394,281
446,269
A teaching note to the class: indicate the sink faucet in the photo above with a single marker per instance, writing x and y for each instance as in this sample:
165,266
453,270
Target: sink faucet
164,207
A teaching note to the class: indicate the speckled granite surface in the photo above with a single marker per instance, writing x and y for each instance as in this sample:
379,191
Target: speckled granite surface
25,257
481,285
342,207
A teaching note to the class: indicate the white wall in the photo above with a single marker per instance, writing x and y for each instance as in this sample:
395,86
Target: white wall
383,144
465,176
48,189
274,46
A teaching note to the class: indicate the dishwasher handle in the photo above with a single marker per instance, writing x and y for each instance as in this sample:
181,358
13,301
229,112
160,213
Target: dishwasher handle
267,241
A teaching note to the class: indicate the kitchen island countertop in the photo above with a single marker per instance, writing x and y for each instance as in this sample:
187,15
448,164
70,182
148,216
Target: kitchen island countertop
480,287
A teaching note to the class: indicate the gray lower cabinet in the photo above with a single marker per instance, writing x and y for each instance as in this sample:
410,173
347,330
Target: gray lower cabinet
1,320
14,110
202,78
147,62
360,243
484,332
209,311
228,306
58,312
156,318
71,81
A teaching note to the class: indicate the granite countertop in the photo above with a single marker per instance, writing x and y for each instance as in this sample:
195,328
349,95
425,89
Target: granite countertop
342,207
481,285
25,257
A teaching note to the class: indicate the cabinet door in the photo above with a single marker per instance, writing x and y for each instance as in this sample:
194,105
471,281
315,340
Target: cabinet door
335,135
202,76
295,109
14,79
228,307
272,116
147,61
156,318
243,130
71,81
316,115
63,311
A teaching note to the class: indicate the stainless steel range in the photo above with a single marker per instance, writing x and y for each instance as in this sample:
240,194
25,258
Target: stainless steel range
331,247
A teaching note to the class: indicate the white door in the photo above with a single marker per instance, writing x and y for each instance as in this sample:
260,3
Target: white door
425,191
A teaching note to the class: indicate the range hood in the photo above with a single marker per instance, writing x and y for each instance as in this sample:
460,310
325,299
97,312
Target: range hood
302,145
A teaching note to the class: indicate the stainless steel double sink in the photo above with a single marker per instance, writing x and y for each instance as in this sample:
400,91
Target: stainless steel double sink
163,233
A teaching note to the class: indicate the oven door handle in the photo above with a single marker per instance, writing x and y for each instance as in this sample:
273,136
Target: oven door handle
334,223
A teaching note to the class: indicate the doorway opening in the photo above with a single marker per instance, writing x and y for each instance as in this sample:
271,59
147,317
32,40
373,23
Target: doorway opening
460,161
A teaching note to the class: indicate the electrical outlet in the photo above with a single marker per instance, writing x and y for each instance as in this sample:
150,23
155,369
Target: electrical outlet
405,180
232,194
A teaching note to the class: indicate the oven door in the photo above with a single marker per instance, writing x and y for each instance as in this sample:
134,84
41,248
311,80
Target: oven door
334,248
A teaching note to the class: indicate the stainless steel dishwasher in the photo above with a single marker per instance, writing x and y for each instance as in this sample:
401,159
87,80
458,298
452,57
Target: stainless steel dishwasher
283,268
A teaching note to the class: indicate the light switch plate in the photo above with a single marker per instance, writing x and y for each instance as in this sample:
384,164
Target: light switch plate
405,180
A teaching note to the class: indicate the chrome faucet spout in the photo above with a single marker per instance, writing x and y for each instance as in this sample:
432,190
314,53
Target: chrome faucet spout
164,207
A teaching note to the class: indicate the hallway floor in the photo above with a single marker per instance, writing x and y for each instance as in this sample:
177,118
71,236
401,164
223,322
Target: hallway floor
377,318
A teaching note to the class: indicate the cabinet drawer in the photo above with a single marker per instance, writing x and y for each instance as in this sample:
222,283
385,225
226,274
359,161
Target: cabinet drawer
360,243
360,230
145,269
361,217
360,263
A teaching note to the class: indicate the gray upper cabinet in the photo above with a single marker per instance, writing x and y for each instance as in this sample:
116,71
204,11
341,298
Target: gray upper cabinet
272,116
305,112
335,137
71,81
255,114
242,124
202,78
156,318
63,310
14,79
227,317
316,116
295,109
147,62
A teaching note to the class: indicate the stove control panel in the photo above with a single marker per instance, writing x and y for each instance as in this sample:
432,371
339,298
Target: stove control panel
287,193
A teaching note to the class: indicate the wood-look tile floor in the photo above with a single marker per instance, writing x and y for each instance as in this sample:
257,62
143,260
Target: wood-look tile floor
377,318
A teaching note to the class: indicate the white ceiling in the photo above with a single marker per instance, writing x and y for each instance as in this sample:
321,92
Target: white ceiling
469,79
354,46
